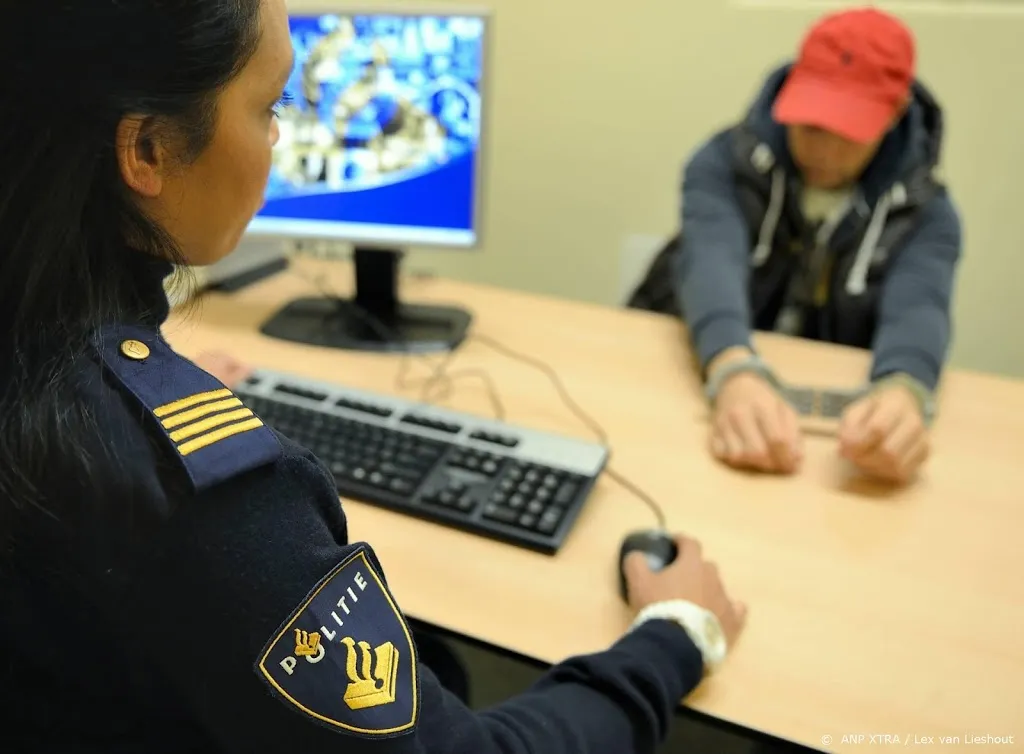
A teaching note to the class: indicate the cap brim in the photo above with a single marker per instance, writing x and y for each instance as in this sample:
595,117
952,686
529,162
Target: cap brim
807,100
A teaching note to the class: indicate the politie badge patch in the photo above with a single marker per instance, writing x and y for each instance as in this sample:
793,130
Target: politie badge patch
346,656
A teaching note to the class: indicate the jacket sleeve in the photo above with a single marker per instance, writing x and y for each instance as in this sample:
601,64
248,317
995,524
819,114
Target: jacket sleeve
226,596
914,326
712,268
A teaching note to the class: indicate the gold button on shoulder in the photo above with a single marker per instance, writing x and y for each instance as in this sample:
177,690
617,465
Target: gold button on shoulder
135,350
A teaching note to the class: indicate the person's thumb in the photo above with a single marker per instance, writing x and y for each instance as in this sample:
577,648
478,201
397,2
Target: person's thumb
635,566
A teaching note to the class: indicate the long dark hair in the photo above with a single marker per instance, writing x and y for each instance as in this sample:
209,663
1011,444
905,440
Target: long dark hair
70,71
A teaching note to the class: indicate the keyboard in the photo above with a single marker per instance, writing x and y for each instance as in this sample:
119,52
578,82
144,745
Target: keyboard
513,484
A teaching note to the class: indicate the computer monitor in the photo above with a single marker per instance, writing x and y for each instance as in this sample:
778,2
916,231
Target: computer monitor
381,132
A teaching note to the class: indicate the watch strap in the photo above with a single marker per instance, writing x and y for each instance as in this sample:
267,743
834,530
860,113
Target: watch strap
700,624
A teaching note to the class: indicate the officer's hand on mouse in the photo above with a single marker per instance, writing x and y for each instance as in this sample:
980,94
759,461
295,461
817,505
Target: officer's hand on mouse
689,577
225,368
753,427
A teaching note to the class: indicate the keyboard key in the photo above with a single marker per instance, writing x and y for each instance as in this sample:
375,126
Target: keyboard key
431,423
298,392
549,521
401,486
500,513
566,493
498,439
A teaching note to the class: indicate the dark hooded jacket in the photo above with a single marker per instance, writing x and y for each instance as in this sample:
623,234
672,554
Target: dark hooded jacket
879,275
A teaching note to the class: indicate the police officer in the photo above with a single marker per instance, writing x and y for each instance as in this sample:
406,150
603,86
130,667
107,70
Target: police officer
174,575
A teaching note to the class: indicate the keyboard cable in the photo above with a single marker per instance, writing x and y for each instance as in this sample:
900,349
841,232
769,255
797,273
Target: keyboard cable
441,376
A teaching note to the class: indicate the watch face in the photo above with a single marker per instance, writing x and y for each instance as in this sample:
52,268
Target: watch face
713,633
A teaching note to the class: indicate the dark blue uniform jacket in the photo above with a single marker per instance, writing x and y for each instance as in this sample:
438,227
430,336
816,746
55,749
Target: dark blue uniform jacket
205,597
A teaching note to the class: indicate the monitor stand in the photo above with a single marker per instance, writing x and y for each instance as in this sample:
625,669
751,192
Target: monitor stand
374,319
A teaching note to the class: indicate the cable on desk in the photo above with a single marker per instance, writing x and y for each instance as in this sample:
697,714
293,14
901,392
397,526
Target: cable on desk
441,376
553,378
583,416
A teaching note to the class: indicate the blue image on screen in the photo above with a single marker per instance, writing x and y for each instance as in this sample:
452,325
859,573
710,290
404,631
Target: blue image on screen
380,123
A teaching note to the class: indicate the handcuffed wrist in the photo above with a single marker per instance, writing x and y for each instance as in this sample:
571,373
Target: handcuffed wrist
922,395
752,364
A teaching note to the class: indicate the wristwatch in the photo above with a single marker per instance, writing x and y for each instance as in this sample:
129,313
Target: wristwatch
701,625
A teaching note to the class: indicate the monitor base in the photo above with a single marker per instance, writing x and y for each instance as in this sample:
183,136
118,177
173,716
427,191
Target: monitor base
342,324
374,319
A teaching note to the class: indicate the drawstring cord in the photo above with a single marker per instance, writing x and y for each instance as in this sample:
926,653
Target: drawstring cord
763,249
857,280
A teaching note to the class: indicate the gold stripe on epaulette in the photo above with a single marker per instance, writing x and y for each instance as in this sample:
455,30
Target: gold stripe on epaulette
205,425
208,439
192,400
185,417
203,419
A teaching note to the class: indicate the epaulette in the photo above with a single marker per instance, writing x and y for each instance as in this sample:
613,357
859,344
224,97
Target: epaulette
208,429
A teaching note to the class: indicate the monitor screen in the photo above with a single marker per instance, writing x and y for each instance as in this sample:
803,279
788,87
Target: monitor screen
380,131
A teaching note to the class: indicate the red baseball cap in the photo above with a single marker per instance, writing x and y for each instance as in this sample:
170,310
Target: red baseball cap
852,77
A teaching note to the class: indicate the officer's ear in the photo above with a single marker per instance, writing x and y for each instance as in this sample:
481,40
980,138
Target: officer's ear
141,155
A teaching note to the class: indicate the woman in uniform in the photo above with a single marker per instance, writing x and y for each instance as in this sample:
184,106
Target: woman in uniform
167,593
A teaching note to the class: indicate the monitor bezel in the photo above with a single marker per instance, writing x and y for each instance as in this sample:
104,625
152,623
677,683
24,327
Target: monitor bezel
314,8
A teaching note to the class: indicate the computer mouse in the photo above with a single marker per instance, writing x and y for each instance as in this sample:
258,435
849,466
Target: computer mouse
658,547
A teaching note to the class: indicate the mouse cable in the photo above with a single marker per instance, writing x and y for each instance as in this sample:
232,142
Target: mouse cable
441,376
599,432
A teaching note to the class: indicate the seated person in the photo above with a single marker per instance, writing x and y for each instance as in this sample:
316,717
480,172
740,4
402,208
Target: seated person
820,216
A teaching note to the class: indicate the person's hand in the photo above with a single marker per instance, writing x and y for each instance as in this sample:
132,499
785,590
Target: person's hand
689,577
753,427
884,434
225,368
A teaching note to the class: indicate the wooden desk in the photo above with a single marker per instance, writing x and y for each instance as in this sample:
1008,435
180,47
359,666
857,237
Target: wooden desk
872,612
